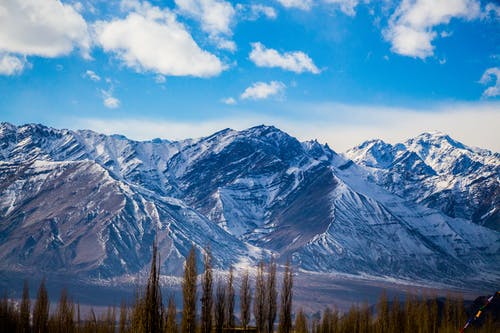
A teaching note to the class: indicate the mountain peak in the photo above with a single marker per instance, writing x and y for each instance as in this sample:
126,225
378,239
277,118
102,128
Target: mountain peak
373,153
6,127
262,130
435,138
373,143
120,137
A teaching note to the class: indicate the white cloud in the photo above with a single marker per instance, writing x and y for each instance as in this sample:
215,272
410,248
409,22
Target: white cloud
109,100
445,34
160,79
346,6
151,39
412,27
215,16
299,4
258,10
11,65
229,101
491,74
263,90
78,6
223,43
42,28
297,61
492,9
92,75
254,11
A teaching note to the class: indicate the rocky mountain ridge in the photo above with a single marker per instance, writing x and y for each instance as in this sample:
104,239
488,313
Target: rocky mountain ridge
88,204
434,170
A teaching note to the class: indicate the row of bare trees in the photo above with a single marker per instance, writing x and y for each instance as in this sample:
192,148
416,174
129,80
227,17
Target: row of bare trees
148,314
415,315
65,319
218,299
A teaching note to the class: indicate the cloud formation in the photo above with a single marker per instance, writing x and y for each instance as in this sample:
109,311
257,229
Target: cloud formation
263,90
150,39
254,11
299,4
412,27
346,6
109,100
11,65
229,101
491,75
267,11
160,79
215,17
41,28
296,61
92,75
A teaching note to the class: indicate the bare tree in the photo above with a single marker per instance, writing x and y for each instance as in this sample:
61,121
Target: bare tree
153,302
41,310
301,322
189,294
24,310
366,319
382,324
9,315
108,323
64,316
285,324
171,321
207,294
220,306
230,300
137,317
122,328
147,312
78,318
245,300
327,322
259,305
91,322
271,297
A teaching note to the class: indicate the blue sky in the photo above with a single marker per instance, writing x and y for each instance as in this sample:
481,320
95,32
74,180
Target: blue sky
340,71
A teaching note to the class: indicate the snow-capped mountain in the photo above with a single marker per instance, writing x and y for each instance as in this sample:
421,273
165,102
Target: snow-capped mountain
437,172
83,203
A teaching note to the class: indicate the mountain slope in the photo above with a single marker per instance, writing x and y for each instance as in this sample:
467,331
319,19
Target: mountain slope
84,203
74,217
438,172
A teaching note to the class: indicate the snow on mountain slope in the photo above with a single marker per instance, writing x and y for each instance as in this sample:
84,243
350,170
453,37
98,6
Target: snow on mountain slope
86,203
75,217
237,178
138,162
445,155
442,173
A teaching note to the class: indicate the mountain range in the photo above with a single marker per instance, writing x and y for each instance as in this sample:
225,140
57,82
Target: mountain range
85,204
